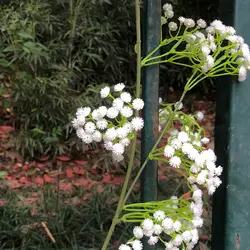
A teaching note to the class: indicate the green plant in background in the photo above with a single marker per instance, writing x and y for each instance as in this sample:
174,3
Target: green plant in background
60,53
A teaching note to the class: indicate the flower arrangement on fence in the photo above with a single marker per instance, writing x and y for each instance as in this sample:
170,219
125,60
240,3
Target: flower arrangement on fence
211,51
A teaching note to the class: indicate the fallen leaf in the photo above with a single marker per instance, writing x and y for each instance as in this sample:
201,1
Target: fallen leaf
69,173
48,179
81,162
39,180
6,129
63,158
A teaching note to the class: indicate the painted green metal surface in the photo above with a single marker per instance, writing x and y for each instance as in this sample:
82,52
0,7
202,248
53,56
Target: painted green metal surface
150,92
231,214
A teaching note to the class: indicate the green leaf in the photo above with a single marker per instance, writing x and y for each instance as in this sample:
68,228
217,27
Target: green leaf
4,62
25,34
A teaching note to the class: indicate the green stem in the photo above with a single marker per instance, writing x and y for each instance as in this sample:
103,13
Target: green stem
116,220
154,147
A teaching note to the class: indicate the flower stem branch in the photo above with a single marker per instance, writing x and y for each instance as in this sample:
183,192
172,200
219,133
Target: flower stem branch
116,220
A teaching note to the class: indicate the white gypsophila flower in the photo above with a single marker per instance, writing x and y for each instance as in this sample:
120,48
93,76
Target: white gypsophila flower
175,161
177,226
137,123
191,179
138,232
173,26
167,224
95,115
147,224
178,105
205,140
110,134
118,104
210,166
126,97
201,178
125,142
176,144
169,246
209,155
174,199
195,236
183,137
102,124
87,138
187,148
186,236
201,23
112,113
188,22
194,169
137,245
118,149
211,189
102,111
197,194
90,127
199,160
85,111
148,233
177,240
157,229
242,74
197,222
119,87
76,123
124,247
79,132
138,104
210,30
199,115
128,127
230,30
217,181
181,19
167,7
169,151
159,215
117,158
205,50
163,20
108,145
218,170
126,112
81,120
105,92
193,154
97,136
121,132
169,14
160,99
152,240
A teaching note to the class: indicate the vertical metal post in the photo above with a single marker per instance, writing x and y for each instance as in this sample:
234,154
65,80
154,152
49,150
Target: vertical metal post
231,217
150,92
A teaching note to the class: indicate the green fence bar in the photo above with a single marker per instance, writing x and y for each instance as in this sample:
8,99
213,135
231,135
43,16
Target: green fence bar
150,92
231,216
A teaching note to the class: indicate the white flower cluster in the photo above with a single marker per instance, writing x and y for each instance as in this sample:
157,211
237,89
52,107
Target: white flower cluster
115,125
183,231
184,150
212,45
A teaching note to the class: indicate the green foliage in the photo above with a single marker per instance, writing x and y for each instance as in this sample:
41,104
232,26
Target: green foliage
68,223
59,54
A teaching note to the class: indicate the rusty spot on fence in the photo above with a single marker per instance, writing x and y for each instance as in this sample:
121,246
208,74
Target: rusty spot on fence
156,125
238,241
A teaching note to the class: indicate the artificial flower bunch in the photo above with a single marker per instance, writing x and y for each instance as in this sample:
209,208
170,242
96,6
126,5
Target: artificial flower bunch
115,125
212,50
